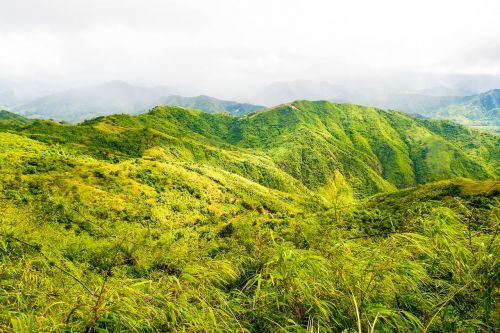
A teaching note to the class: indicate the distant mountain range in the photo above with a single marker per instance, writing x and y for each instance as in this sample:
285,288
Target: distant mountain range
119,97
440,102
79,104
479,110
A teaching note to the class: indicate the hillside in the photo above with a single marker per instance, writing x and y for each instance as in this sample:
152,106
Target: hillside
310,216
480,110
303,142
6,116
9,120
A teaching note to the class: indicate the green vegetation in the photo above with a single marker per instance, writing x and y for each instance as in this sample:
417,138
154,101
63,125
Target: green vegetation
9,120
308,217
480,111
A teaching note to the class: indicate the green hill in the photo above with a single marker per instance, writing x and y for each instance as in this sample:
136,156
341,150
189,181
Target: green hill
310,216
9,120
302,143
6,116
481,110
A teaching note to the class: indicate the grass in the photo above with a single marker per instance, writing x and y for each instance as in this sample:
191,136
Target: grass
179,221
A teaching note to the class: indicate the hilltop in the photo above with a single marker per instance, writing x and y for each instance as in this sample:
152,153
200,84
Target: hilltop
302,142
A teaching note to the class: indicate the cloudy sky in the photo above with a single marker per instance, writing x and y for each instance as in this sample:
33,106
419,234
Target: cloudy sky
231,45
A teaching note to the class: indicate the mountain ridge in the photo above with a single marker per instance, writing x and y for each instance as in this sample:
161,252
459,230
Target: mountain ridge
307,141
180,220
113,97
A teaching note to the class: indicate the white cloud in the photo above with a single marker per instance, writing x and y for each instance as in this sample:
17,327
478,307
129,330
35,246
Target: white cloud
229,45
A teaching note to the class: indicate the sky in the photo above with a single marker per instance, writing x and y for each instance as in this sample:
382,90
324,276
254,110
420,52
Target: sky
228,46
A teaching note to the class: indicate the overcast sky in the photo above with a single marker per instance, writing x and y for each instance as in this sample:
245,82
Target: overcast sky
230,45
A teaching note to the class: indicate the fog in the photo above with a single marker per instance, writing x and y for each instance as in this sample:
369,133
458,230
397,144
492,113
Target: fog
235,49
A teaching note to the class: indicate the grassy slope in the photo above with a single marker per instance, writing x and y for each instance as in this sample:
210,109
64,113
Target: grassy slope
11,120
293,146
482,110
176,219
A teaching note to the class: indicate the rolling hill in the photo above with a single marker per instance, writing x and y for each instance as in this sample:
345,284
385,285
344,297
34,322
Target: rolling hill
440,102
480,110
309,216
306,142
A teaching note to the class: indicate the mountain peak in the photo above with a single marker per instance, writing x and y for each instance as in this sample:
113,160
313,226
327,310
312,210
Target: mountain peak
117,83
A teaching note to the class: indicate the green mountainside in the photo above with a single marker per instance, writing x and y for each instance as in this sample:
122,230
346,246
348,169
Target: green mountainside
480,110
310,216
303,142
9,116
9,120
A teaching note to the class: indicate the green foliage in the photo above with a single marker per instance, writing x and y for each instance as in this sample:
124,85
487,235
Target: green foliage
481,111
292,147
180,221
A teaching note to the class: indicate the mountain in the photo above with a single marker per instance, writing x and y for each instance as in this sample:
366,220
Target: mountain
454,103
306,217
209,104
79,104
119,97
480,110
302,143
11,120
9,116
177,220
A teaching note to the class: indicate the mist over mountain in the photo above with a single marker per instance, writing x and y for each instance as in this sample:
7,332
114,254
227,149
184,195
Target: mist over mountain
369,89
249,166
454,102
457,102
209,104
282,92
7,98
113,97
441,91
274,217
83,103
478,110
